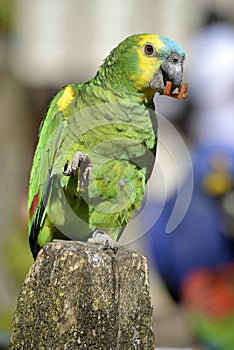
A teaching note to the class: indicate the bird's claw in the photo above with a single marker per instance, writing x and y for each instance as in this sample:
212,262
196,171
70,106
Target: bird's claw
182,91
82,162
104,240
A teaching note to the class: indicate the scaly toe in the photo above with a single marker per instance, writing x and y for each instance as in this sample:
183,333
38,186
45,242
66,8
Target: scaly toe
104,240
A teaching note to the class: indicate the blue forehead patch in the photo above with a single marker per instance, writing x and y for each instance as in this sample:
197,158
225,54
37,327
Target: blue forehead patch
170,46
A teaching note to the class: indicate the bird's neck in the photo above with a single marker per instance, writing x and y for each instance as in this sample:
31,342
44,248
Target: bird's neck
116,83
121,91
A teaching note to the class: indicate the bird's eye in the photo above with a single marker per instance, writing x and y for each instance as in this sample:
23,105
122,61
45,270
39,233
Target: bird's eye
149,49
175,60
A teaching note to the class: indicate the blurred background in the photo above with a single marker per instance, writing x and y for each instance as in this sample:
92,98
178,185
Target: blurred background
46,44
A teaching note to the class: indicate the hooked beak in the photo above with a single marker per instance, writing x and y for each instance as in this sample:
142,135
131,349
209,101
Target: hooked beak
171,70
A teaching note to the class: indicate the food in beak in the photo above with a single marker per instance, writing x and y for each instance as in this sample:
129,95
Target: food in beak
182,91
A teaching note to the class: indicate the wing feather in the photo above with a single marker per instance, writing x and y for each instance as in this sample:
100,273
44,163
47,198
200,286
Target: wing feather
50,134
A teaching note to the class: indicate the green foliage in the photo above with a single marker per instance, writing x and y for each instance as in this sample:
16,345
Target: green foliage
6,15
216,332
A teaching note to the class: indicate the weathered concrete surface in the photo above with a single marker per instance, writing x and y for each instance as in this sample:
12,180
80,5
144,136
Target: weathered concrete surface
77,296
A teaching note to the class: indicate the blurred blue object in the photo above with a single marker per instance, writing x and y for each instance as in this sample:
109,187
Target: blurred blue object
201,239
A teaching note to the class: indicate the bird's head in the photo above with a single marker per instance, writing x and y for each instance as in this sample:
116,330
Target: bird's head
146,62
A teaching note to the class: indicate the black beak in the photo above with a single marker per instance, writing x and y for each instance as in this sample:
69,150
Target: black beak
171,70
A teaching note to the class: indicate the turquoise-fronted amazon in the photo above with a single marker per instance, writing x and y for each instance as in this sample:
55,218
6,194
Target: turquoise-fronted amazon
97,144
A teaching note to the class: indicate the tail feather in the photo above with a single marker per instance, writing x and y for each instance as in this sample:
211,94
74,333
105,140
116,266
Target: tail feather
37,221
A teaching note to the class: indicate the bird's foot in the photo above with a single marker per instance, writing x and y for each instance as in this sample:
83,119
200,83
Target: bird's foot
104,240
82,162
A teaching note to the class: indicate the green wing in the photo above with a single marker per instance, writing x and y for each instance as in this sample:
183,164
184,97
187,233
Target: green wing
50,140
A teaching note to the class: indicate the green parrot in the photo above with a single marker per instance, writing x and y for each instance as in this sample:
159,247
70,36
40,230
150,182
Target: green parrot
97,145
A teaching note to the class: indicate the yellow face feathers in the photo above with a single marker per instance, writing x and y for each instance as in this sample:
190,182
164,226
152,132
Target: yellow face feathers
148,61
154,39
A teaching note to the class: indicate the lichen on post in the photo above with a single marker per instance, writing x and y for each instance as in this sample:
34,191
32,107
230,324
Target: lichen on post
77,296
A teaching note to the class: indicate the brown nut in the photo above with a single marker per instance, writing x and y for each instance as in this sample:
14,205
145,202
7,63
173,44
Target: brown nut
181,95
167,89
